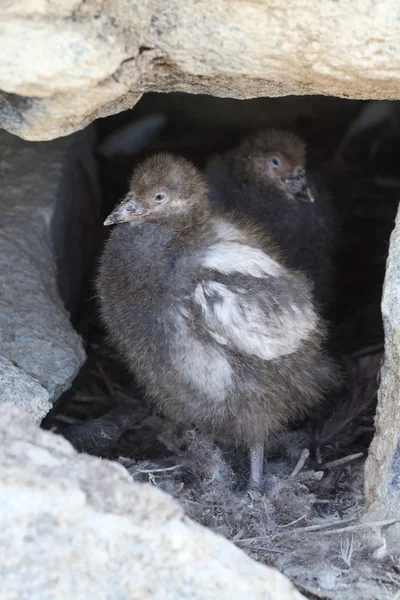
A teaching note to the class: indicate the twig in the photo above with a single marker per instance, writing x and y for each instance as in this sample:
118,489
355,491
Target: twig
358,525
68,420
146,471
341,461
100,374
238,535
304,456
257,539
325,525
389,579
367,351
293,522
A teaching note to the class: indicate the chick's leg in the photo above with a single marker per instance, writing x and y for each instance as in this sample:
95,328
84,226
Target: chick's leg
256,466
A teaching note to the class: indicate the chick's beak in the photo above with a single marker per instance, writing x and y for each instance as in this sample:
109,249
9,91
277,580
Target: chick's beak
300,186
127,210
305,192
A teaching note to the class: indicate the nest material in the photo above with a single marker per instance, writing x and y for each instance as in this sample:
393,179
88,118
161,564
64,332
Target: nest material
308,522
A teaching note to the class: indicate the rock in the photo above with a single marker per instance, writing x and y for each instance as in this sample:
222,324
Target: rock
23,390
382,471
57,73
76,527
41,203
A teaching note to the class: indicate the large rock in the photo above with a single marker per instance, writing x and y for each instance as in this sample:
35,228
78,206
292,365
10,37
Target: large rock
382,471
23,390
74,527
63,64
41,201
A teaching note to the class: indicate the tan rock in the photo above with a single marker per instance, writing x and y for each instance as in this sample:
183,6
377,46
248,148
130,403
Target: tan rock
80,529
70,62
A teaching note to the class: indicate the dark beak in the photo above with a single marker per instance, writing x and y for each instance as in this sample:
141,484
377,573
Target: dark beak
305,192
127,210
300,186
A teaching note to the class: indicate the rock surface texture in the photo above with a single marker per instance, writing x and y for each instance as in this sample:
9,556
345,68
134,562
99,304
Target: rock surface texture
40,353
66,63
382,471
80,529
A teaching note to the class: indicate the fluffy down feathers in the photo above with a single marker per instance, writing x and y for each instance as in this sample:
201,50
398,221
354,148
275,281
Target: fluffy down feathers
241,180
216,329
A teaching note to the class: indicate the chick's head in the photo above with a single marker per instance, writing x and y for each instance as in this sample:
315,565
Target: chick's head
278,158
162,187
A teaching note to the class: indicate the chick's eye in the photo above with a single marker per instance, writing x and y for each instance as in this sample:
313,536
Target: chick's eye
275,161
159,197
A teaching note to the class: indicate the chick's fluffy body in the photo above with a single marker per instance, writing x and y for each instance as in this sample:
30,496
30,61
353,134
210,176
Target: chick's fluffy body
217,330
305,231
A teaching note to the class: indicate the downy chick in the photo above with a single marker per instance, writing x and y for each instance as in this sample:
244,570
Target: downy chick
215,328
265,177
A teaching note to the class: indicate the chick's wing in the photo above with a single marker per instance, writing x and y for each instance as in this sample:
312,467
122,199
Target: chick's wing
250,303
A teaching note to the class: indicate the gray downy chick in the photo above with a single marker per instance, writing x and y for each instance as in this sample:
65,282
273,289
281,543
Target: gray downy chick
216,329
265,177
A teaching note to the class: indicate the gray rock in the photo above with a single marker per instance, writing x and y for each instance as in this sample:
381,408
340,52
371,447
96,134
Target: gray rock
57,73
23,390
40,203
382,470
75,527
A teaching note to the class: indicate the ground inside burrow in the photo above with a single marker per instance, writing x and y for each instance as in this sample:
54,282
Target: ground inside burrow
307,521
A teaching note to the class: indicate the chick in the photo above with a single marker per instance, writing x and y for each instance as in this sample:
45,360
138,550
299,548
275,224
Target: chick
216,329
265,177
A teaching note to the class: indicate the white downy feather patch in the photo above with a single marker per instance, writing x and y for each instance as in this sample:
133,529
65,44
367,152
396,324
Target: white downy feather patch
204,367
240,322
227,232
233,257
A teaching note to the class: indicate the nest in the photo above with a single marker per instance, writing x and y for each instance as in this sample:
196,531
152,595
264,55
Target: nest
310,522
